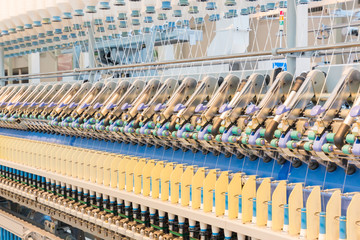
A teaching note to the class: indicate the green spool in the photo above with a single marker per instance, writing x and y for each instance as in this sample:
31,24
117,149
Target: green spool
165,133
92,120
245,140
209,128
222,129
141,124
198,128
189,127
308,146
236,131
262,132
232,139
119,122
218,138
311,135
138,131
177,126
248,131
330,137
208,137
346,149
277,133
166,125
173,134
350,138
260,141
296,135
291,144
327,148
185,135
274,143
195,136
151,124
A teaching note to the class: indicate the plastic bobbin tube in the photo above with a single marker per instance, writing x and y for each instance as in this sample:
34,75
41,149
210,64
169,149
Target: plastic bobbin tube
143,212
135,210
127,208
342,226
98,199
322,228
203,229
105,202
92,197
112,205
80,193
303,224
73,191
63,188
152,215
269,221
254,211
286,218
240,207
181,224
68,190
215,232
228,234
53,185
120,204
240,236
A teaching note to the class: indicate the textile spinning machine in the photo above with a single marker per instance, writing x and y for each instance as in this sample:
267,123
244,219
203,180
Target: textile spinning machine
166,132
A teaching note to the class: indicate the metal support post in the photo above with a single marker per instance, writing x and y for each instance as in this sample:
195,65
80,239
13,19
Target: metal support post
76,56
2,65
291,34
91,51
150,43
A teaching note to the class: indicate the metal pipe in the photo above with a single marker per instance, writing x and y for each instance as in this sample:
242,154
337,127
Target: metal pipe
291,34
91,50
2,63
